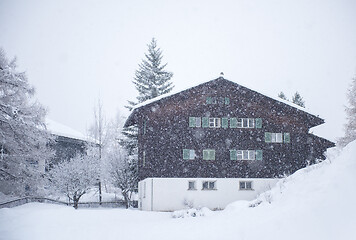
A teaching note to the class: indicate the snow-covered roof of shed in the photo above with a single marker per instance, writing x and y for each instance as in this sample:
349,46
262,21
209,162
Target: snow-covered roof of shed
65,131
176,91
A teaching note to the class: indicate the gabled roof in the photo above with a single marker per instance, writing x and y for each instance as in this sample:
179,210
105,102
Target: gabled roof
144,104
65,131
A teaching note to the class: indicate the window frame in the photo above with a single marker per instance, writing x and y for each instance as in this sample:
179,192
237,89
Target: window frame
275,137
248,155
214,122
189,154
194,185
209,154
208,186
243,186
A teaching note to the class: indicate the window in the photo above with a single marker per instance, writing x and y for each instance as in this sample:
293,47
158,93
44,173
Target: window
246,185
194,122
251,123
245,154
214,122
219,100
209,185
188,154
144,158
191,185
273,137
208,154
239,123
247,122
242,123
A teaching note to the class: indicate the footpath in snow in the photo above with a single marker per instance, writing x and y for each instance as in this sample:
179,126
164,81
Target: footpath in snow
316,202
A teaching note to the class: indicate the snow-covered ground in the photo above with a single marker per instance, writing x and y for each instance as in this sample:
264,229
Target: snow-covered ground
314,203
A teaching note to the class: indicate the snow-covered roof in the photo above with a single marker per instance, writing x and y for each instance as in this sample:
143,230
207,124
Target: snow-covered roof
65,131
258,91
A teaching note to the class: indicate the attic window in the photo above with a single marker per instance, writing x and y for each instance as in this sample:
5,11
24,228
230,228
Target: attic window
218,100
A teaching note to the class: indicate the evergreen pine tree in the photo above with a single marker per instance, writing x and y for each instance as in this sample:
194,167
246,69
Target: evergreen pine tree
297,99
151,80
282,95
350,127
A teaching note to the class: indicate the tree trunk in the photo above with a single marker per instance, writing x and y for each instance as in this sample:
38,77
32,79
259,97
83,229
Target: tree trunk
127,200
75,202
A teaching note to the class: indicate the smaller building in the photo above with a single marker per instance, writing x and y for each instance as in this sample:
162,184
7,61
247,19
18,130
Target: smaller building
67,142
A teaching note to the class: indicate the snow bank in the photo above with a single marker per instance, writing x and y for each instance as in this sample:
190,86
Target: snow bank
314,203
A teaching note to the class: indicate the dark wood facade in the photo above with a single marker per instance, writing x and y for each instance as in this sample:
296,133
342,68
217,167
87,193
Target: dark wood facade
164,132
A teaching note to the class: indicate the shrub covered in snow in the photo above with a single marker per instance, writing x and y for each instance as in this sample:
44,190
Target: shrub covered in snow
192,212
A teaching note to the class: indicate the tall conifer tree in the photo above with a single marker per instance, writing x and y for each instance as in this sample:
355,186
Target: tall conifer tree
350,126
297,99
151,80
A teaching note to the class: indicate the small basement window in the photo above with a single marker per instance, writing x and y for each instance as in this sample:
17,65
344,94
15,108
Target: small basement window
246,185
209,185
191,185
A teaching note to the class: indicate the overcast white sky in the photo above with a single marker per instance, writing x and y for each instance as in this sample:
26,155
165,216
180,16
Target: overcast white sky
77,51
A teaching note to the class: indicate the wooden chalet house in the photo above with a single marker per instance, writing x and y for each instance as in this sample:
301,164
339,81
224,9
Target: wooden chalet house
218,142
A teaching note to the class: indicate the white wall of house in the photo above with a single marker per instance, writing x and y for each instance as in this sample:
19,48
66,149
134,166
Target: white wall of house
169,194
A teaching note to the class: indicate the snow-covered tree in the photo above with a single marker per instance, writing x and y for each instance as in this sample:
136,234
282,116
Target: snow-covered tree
23,135
350,126
297,99
98,132
151,79
75,177
282,95
123,173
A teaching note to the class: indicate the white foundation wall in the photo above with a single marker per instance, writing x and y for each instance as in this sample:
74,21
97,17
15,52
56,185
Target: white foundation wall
169,194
